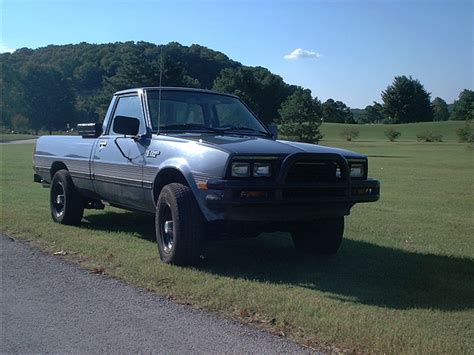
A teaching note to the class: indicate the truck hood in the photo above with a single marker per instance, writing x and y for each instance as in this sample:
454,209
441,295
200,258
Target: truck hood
240,144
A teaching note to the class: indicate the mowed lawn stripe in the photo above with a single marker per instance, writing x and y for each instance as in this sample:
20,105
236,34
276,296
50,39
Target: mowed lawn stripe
402,282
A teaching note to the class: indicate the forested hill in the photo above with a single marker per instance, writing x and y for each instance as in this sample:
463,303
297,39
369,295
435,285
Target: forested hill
80,79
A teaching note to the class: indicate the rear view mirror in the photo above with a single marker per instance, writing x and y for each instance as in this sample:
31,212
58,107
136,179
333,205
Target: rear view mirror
128,126
89,130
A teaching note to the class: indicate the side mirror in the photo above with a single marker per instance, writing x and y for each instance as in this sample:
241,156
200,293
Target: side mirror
273,129
89,130
128,126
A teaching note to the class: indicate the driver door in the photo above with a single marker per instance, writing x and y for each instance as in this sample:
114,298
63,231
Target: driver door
118,178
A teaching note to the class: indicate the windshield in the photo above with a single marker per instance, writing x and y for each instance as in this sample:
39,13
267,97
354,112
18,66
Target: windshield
200,111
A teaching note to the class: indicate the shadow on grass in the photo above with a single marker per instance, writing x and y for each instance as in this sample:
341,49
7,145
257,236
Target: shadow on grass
361,272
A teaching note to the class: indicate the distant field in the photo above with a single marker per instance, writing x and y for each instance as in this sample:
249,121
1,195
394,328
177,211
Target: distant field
409,130
403,281
8,137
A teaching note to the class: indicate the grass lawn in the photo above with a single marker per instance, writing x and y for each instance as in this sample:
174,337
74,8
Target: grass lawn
409,131
8,137
402,282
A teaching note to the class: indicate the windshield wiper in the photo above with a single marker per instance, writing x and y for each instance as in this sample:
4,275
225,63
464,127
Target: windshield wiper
188,127
246,129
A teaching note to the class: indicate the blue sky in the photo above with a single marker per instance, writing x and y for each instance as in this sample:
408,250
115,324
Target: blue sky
349,50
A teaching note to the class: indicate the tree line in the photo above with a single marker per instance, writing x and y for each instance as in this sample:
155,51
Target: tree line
55,87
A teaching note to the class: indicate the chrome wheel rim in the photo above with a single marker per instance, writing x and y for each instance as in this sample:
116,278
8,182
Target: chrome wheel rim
58,199
167,229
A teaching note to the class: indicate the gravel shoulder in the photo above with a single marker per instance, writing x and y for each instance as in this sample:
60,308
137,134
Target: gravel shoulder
52,306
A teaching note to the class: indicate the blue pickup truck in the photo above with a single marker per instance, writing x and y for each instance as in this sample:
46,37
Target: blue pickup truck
207,168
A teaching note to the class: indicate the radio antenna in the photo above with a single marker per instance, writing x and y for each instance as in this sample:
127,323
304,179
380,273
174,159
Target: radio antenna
159,90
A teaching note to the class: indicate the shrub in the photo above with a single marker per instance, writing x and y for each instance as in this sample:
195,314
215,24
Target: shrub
307,132
392,134
429,136
350,133
466,133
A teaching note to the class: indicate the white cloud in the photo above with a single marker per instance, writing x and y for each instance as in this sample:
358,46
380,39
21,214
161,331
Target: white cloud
300,53
5,49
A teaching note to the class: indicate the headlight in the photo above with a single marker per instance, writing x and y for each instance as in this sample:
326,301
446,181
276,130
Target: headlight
240,169
262,169
357,170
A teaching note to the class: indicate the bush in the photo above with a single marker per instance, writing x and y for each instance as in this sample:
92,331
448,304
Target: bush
466,133
307,132
392,134
429,136
350,133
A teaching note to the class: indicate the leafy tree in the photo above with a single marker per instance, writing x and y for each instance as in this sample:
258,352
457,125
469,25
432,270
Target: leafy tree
373,113
392,134
464,106
301,116
336,111
466,133
50,100
406,100
263,91
440,110
19,123
350,133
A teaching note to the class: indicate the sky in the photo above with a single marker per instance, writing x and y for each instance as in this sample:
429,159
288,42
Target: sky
346,50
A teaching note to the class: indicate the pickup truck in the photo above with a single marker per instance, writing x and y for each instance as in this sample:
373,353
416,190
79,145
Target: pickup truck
207,168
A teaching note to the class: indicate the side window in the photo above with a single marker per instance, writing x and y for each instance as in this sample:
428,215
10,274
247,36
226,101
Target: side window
129,106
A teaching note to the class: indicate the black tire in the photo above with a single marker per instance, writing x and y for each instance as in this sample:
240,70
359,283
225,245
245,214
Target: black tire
179,242
65,201
322,237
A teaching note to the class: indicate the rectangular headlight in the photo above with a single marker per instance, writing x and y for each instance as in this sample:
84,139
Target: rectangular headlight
262,169
357,170
240,169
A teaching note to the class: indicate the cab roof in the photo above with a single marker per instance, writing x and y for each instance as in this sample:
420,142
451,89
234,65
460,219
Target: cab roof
170,88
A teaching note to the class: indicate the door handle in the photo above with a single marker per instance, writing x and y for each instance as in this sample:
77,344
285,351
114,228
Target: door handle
102,144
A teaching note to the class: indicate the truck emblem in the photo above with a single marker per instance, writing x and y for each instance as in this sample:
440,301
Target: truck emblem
152,153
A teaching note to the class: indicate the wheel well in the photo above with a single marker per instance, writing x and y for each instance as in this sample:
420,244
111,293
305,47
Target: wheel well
165,177
57,165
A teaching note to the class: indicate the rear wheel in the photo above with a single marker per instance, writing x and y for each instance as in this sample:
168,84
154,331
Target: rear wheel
179,225
323,236
65,201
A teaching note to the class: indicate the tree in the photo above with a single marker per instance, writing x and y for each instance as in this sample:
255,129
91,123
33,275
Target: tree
349,133
336,111
373,113
19,123
440,109
464,106
49,98
263,91
392,134
406,100
301,116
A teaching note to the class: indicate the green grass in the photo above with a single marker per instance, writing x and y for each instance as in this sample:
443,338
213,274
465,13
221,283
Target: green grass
409,131
403,281
9,137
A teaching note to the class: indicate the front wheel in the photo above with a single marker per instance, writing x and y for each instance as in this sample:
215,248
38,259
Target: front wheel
65,201
179,225
323,236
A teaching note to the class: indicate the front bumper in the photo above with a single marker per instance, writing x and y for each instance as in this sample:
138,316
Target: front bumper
271,201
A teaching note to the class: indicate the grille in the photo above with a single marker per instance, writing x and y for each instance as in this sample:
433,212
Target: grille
312,172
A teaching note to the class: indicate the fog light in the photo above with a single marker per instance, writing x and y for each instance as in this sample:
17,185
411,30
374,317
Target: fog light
246,193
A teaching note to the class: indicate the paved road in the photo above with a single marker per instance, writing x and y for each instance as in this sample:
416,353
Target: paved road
22,141
51,306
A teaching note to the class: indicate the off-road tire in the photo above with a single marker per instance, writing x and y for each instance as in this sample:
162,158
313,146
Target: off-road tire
71,210
323,236
176,201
